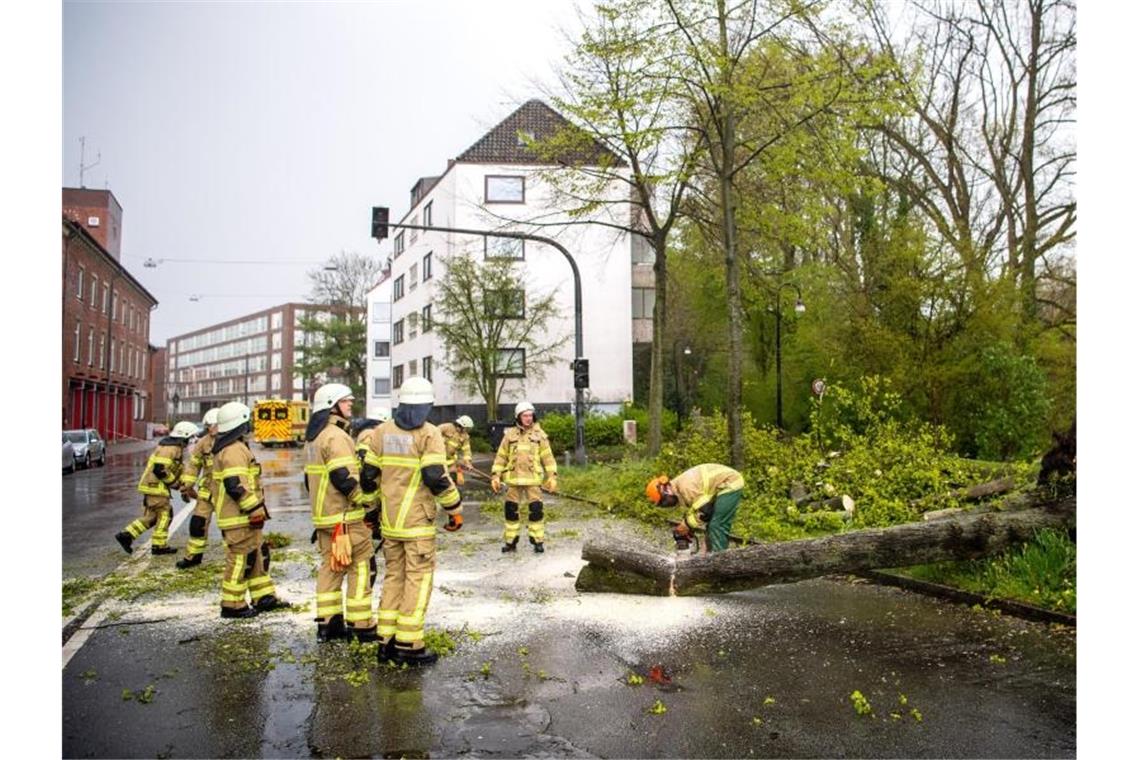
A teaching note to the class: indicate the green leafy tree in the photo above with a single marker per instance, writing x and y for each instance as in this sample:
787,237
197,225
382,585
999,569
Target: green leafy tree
484,317
1005,405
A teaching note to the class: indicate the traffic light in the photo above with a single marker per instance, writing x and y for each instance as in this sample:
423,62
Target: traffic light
379,222
581,369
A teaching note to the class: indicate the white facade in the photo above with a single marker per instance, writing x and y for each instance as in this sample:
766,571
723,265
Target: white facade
379,393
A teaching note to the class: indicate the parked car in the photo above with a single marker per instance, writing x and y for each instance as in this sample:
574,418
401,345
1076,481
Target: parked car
88,446
68,456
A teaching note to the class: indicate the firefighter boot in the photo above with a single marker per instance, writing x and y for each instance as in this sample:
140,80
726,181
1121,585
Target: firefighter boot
332,630
413,658
270,602
240,612
538,548
387,653
125,540
163,550
363,635
511,545
188,562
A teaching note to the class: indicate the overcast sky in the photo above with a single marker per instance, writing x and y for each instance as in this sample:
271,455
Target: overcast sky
259,131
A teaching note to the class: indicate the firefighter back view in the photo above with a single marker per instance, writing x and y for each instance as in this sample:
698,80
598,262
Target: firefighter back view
163,469
239,505
412,481
332,476
196,484
525,462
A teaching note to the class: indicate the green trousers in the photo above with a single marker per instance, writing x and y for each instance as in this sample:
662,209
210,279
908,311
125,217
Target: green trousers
724,512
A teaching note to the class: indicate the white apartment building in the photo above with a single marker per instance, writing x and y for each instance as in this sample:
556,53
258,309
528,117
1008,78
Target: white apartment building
379,391
496,184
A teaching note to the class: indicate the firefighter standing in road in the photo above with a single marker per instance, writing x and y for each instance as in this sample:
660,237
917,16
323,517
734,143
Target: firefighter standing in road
239,505
163,469
196,478
524,461
710,494
457,443
412,481
330,460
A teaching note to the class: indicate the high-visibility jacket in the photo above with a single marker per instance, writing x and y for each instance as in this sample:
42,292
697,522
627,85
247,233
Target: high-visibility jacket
413,480
196,473
365,455
333,475
162,470
698,486
456,442
237,485
524,457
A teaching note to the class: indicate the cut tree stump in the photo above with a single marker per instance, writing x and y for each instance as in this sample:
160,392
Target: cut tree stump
622,568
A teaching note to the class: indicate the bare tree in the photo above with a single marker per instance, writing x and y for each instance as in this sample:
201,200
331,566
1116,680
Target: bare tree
345,281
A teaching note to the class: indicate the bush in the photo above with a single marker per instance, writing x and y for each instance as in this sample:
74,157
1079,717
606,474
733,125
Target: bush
1004,406
602,430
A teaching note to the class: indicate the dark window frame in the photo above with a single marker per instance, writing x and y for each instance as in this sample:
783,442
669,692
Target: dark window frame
426,366
376,349
487,187
487,256
397,332
425,319
427,214
504,303
518,349
398,288
425,266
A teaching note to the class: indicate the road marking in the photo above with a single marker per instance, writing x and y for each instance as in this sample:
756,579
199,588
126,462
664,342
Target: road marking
132,566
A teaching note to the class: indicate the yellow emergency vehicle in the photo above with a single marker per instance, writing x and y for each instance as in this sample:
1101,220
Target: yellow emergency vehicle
277,422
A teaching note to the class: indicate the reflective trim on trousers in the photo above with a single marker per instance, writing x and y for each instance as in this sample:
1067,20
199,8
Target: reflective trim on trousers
195,546
160,535
260,586
136,528
510,531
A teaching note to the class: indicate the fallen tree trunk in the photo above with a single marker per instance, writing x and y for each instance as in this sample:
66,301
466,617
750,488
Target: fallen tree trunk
618,567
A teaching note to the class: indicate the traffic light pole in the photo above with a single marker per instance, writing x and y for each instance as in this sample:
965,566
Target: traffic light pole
579,393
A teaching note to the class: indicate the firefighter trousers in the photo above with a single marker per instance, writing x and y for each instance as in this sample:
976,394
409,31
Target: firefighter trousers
247,567
408,570
157,514
357,606
199,526
531,498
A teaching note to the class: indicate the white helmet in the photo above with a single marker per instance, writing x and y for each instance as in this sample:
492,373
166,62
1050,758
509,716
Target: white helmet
232,415
211,417
523,406
329,394
184,430
417,390
465,422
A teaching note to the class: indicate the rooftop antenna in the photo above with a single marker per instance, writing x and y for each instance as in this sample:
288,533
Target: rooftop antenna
82,167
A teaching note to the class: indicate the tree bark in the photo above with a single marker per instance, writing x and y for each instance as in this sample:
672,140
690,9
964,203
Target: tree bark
616,567
657,360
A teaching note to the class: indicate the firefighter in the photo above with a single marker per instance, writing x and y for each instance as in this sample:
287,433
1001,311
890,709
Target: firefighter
457,442
332,476
239,505
710,494
163,469
196,484
363,430
525,462
412,481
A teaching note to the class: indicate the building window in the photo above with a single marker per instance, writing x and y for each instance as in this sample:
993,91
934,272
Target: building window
75,353
114,307
427,214
275,320
381,386
103,352
398,335
79,285
276,341
380,349
425,318
413,324
397,375
504,248
398,244
427,267
643,300
510,362
427,368
498,188
413,276
413,368
398,288
94,292
275,381
275,362
90,346
414,233
378,311
106,297
506,304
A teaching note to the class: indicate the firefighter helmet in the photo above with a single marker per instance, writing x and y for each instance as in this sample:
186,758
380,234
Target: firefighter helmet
232,415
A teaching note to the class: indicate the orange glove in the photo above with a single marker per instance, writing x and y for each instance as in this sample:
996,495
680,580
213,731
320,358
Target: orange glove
454,523
458,476
495,483
551,484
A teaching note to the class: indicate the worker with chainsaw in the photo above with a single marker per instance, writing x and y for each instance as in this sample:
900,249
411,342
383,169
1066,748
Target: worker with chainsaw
163,469
457,442
340,505
407,461
710,494
239,507
524,462
196,485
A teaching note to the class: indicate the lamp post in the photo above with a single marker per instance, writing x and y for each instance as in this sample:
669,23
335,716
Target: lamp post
800,309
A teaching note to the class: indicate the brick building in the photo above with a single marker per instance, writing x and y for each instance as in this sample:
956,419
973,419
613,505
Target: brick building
106,322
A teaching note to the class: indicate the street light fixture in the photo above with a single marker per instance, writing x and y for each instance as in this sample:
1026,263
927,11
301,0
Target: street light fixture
800,309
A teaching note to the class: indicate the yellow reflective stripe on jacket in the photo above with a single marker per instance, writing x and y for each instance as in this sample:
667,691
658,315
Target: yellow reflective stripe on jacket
533,480
225,523
367,455
155,490
409,495
248,502
395,461
427,460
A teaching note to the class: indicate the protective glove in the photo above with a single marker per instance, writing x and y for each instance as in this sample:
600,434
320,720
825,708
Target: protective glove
258,516
495,483
186,497
454,523
551,484
459,476
681,536
467,463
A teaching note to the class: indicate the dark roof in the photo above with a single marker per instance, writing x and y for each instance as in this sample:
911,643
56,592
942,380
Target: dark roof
501,144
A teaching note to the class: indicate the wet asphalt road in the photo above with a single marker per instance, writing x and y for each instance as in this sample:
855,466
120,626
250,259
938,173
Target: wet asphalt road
542,670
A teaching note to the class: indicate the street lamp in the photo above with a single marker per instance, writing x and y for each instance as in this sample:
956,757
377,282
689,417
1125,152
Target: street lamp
800,309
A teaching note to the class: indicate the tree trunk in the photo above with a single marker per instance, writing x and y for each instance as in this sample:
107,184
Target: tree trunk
616,567
657,351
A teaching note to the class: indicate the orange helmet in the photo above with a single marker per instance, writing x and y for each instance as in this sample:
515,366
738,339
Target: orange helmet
653,488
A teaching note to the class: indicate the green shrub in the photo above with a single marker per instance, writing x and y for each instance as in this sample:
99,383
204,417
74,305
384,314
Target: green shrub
602,430
1003,406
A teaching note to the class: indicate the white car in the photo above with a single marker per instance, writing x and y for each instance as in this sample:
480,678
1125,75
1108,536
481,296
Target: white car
89,447
68,456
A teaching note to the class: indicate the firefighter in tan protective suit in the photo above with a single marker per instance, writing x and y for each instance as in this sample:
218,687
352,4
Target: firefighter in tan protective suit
163,469
196,478
332,477
457,443
239,506
525,462
408,468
